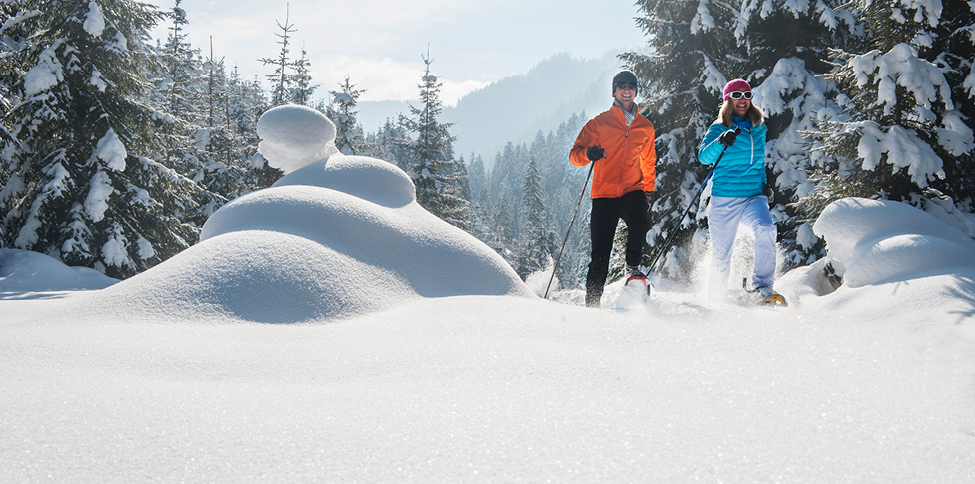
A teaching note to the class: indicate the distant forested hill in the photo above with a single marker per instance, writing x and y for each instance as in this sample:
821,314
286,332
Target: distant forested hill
515,108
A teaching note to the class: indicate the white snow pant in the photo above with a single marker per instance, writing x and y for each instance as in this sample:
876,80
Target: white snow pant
724,216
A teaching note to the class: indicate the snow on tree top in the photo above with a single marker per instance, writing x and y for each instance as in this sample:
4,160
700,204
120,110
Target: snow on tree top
94,21
344,97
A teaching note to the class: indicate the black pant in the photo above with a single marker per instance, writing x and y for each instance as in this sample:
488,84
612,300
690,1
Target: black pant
606,214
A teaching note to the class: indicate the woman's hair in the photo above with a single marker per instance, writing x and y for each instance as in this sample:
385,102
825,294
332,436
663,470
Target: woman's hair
728,110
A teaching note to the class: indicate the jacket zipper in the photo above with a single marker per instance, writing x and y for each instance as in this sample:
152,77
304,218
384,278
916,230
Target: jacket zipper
752,139
626,148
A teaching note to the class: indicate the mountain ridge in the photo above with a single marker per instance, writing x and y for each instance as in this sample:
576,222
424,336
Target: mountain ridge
515,108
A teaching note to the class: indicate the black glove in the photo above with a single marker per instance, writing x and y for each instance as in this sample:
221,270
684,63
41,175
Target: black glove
768,192
595,153
728,137
648,195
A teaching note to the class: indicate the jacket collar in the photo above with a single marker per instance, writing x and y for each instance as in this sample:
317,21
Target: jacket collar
628,117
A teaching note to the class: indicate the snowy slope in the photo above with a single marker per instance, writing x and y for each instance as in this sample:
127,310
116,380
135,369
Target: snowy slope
457,373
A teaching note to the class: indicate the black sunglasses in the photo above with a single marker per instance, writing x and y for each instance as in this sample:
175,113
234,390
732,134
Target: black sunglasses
626,85
740,94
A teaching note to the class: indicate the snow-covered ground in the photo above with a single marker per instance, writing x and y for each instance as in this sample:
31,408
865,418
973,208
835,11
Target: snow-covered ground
330,330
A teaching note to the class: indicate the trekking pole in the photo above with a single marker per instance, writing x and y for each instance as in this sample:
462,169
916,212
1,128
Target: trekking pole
566,239
666,246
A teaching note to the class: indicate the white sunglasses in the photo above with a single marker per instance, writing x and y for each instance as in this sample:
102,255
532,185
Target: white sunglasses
740,94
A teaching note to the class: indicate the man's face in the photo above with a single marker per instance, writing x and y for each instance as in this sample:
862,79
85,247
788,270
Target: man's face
625,93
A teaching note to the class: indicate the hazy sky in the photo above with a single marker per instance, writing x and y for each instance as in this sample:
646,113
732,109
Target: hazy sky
379,43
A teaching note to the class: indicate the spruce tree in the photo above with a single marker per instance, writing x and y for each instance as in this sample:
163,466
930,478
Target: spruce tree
342,111
501,226
953,50
245,105
390,143
73,185
437,175
179,95
302,88
477,178
899,129
224,165
537,241
283,77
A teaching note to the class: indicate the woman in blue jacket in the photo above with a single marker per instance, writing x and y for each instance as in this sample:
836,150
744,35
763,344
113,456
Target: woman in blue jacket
737,189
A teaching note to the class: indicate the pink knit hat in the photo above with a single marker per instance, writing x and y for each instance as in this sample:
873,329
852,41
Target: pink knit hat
735,85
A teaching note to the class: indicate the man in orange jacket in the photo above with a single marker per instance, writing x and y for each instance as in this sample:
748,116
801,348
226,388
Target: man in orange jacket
620,142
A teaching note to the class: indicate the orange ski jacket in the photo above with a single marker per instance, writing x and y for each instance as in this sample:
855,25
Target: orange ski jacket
631,159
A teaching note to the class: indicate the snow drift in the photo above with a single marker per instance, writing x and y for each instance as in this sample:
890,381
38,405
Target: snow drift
870,241
871,382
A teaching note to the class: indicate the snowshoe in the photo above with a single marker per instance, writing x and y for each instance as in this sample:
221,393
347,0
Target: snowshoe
637,278
774,300
766,296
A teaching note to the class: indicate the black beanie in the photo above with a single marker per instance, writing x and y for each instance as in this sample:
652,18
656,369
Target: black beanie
623,78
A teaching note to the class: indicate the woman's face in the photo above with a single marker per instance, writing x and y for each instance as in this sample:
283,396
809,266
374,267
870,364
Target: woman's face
741,106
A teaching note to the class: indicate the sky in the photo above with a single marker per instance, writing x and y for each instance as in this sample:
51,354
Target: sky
379,44
329,329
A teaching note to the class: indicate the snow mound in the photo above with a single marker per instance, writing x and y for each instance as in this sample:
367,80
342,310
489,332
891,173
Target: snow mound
261,276
293,136
871,241
337,239
24,272
388,185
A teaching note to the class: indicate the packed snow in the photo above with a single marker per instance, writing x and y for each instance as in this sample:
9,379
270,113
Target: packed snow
328,329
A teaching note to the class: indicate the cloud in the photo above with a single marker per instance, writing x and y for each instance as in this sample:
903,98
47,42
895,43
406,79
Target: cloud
378,43
384,79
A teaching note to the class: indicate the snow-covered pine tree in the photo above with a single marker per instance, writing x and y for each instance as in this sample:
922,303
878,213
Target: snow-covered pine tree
178,95
224,169
501,226
246,103
564,189
302,88
187,92
438,177
282,78
953,50
73,187
389,143
682,90
506,182
537,241
342,111
480,203
695,48
899,122
477,177
503,187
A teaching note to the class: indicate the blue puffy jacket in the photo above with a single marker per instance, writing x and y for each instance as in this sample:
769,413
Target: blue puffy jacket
741,172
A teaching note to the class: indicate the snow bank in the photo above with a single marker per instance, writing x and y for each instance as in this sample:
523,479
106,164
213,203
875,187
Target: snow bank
871,241
23,273
876,380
